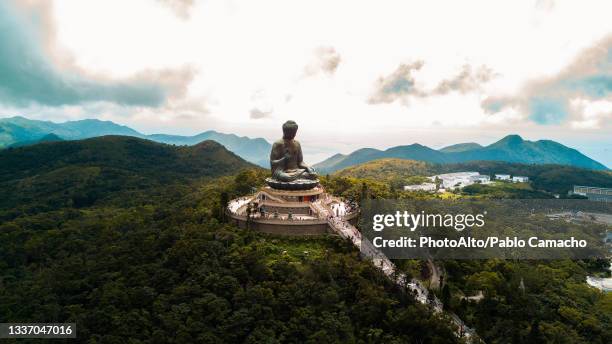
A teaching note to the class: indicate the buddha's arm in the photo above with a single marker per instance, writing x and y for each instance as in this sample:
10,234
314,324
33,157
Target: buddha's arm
276,155
300,160
277,161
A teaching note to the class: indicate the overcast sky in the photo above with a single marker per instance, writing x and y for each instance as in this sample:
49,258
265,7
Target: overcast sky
351,73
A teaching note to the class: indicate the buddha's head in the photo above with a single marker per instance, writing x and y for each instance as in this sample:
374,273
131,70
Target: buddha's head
289,130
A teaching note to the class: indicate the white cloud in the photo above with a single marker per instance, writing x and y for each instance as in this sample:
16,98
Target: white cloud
325,60
243,47
256,113
547,100
590,114
182,8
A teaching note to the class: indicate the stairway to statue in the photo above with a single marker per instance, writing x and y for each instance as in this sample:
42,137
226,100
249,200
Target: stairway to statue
348,231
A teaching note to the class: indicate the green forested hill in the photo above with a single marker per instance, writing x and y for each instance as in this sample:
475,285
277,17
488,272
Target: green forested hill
127,238
552,178
506,301
122,152
388,169
81,173
395,172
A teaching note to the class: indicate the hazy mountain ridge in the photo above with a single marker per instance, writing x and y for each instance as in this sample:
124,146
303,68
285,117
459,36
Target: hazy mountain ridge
461,147
19,131
511,148
47,138
256,149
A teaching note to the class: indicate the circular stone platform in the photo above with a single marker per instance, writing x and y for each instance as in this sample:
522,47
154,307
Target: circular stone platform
298,184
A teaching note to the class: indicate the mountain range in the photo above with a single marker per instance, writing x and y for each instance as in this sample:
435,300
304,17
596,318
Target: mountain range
511,148
20,131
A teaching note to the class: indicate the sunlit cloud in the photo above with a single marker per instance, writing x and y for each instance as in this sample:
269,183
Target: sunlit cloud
325,60
398,85
403,84
256,113
31,75
548,100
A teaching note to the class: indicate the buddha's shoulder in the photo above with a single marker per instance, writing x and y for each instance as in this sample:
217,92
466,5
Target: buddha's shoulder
282,143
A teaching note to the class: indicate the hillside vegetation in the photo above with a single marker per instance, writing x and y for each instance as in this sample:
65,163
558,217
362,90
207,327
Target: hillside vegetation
82,173
514,301
552,178
128,238
149,258
557,179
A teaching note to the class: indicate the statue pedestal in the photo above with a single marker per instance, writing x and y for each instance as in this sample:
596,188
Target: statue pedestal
289,212
298,184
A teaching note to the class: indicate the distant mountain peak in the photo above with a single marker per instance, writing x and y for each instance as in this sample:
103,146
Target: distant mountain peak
337,155
413,145
208,144
512,139
461,147
50,137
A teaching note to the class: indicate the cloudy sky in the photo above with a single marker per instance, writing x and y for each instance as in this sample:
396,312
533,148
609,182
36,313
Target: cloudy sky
351,73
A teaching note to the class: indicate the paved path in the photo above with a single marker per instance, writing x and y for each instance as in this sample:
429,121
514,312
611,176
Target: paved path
436,273
367,249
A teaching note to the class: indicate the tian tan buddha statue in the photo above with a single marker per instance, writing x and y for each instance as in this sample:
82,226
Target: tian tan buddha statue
286,161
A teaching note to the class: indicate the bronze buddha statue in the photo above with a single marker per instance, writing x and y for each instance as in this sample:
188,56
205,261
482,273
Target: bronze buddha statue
286,160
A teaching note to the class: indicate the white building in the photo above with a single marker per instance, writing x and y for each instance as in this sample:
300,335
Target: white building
502,176
520,179
594,193
482,179
460,179
421,187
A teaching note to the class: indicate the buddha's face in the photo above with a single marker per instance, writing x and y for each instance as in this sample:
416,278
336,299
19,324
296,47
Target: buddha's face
289,130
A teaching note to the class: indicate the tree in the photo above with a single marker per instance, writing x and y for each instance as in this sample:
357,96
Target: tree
245,180
446,297
534,336
223,201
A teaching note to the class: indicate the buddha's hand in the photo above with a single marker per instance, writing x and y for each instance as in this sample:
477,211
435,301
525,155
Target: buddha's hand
287,155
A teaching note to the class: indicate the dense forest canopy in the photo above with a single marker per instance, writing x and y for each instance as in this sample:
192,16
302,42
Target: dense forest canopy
506,301
128,239
148,258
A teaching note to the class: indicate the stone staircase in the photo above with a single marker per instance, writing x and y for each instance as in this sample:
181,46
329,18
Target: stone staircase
319,208
380,260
